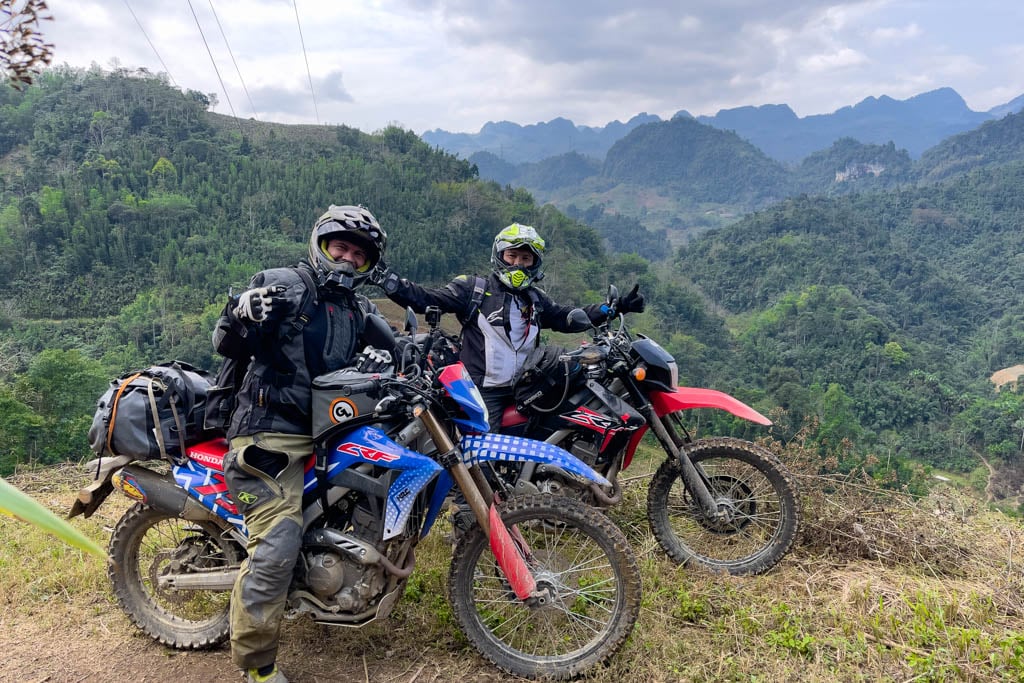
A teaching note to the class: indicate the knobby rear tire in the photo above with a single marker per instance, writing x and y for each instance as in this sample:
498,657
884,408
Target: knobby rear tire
144,544
752,482
595,579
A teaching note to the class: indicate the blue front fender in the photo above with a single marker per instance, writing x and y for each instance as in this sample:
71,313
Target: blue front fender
477,448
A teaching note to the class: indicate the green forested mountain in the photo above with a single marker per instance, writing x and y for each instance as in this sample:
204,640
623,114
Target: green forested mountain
677,176
993,143
850,166
624,235
113,184
900,305
684,176
867,324
127,210
492,167
706,164
552,173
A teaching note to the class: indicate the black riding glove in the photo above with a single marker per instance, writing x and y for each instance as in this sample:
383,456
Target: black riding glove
632,302
385,278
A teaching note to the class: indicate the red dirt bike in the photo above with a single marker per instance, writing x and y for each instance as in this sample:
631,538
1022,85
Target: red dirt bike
725,503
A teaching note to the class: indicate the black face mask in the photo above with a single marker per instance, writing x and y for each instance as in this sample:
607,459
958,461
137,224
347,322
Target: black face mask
343,277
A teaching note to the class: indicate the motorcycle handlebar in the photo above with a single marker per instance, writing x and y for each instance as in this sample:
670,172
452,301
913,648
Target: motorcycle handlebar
585,355
361,387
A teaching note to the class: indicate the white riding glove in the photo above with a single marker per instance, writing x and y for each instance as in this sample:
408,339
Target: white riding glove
257,304
372,360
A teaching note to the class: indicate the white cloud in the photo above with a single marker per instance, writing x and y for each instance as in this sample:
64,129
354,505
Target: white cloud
825,63
456,64
891,34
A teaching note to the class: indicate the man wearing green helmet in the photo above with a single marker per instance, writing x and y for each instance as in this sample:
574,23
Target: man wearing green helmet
501,315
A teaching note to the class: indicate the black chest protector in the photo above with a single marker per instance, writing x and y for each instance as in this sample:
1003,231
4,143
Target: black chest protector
331,337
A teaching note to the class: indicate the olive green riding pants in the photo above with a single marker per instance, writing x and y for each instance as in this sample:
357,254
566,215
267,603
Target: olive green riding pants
264,473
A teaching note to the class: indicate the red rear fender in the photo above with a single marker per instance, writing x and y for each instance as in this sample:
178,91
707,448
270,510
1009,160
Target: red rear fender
209,453
687,398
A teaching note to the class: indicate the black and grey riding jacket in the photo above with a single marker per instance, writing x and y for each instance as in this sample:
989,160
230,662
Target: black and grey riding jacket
499,334
276,394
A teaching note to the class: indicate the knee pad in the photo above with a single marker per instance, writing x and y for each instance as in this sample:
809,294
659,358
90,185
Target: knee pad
271,565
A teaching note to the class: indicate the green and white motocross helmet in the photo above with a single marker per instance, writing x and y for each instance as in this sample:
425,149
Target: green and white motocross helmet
517,236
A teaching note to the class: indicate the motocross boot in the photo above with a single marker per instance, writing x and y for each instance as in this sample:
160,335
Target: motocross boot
275,676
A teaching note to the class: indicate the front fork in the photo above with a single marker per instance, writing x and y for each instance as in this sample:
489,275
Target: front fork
693,478
508,553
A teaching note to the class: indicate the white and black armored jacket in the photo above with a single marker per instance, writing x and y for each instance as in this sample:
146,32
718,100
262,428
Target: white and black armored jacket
498,334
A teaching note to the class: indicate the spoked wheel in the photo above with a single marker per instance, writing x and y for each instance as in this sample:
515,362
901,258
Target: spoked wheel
148,544
585,572
758,508
735,494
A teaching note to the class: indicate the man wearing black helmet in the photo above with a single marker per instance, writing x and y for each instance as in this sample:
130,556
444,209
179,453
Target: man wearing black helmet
290,341
501,315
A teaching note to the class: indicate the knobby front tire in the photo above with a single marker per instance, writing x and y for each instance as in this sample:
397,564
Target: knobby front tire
755,489
581,558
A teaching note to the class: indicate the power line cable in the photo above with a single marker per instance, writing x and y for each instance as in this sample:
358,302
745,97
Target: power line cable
215,69
151,45
237,70
316,111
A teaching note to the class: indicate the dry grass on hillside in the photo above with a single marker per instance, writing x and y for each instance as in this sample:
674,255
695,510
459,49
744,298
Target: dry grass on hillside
880,587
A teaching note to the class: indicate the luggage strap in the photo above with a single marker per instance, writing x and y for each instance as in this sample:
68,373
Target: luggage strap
113,412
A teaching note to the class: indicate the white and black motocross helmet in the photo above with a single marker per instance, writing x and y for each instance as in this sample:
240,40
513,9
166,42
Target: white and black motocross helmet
354,224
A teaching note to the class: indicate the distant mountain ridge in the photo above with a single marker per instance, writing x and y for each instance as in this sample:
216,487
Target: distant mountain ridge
684,176
517,144
914,124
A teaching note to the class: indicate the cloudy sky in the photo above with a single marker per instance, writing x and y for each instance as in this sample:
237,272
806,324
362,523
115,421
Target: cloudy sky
457,64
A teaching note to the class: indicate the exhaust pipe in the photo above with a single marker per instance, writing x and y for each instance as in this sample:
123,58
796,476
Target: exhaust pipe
159,491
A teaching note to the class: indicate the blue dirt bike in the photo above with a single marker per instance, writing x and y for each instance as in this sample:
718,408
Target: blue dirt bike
542,586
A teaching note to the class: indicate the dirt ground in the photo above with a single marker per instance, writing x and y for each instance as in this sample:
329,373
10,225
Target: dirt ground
95,643
75,636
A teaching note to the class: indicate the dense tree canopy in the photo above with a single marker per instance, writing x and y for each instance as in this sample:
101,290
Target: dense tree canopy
866,323
127,210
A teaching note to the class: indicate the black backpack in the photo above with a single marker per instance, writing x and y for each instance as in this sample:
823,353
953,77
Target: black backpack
221,397
479,290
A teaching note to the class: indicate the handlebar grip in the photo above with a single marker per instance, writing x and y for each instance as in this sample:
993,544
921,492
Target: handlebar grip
361,387
584,356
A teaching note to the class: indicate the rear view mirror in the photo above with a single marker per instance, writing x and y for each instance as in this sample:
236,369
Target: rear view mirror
411,324
613,295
